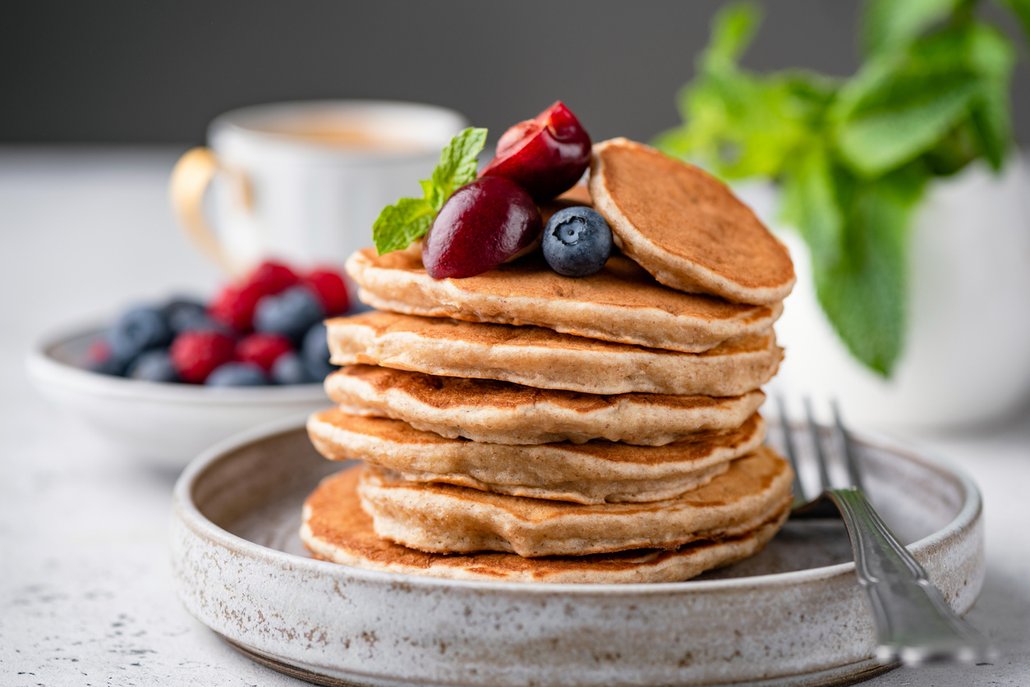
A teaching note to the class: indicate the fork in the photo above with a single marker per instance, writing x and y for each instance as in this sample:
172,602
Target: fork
914,623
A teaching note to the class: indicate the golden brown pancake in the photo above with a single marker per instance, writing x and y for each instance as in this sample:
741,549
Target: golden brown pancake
336,528
545,359
594,472
448,519
685,227
621,303
504,413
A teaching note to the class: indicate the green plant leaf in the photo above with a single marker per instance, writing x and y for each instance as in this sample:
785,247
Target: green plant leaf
810,204
732,29
1021,8
864,291
458,164
993,57
400,224
890,24
890,115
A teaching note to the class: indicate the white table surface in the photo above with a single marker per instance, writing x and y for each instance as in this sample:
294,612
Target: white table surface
86,595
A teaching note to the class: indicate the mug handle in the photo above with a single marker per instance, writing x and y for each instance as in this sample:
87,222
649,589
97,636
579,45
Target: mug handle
191,176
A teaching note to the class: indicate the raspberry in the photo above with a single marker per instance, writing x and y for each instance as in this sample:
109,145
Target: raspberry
331,290
196,354
262,349
234,306
99,351
270,278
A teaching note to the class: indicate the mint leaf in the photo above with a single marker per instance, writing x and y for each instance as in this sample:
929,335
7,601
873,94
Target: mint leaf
810,203
890,24
409,219
457,167
993,57
1021,8
733,27
400,224
891,114
864,291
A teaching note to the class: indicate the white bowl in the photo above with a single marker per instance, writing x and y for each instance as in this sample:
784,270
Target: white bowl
166,424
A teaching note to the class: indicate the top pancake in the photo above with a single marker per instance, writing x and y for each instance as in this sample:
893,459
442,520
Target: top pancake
685,227
621,303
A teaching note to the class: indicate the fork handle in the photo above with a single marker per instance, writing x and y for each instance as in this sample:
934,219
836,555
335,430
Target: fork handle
914,623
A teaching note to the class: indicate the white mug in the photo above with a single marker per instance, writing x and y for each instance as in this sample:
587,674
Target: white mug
304,181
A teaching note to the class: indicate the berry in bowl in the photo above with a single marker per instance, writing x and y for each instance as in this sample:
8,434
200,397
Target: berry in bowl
166,380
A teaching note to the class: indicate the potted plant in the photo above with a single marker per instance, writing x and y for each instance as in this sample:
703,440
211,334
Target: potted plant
908,201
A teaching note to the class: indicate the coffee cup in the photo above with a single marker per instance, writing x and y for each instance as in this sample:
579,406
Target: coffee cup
304,181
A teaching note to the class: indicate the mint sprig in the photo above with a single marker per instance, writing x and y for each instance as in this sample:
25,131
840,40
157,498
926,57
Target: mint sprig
854,156
409,219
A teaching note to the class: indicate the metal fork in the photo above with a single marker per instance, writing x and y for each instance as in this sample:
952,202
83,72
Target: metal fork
914,624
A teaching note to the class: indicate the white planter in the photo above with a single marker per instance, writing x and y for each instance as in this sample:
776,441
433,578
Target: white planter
967,355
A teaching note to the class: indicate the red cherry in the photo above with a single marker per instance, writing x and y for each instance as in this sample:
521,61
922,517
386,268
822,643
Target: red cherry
545,155
481,226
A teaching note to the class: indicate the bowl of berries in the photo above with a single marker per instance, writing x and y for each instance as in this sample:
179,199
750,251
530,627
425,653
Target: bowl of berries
166,380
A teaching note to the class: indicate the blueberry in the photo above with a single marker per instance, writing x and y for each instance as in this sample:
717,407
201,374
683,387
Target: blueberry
315,351
193,321
109,364
289,369
154,366
237,374
138,329
290,313
185,314
577,242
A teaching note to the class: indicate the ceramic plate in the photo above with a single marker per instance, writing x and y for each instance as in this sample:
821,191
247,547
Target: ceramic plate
793,615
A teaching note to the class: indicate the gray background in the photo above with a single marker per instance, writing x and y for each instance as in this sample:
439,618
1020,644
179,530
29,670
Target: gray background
148,71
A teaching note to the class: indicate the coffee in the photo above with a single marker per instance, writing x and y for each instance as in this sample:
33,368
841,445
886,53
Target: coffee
340,132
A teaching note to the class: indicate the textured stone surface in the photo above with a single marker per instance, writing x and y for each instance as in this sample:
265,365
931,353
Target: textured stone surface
86,594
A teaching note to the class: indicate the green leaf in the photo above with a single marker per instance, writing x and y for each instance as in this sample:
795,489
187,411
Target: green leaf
890,24
457,167
732,29
400,224
809,203
891,114
1021,8
409,219
864,291
993,57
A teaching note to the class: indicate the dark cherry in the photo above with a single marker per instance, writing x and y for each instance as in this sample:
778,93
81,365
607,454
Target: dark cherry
482,225
545,155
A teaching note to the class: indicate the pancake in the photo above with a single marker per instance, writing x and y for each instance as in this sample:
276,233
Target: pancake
544,359
593,472
505,413
621,303
685,227
448,519
335,528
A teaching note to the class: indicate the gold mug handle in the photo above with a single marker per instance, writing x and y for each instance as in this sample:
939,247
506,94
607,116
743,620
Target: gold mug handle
191,176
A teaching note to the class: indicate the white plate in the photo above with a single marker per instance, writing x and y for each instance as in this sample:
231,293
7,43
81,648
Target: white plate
167,424
792,615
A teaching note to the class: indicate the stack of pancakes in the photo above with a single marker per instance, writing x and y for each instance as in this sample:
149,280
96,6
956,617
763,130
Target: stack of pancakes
522,425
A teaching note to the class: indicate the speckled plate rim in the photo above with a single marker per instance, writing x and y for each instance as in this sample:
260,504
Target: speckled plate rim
44,368
969,512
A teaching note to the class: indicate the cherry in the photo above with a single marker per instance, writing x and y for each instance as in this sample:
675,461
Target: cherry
545,155
482,225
